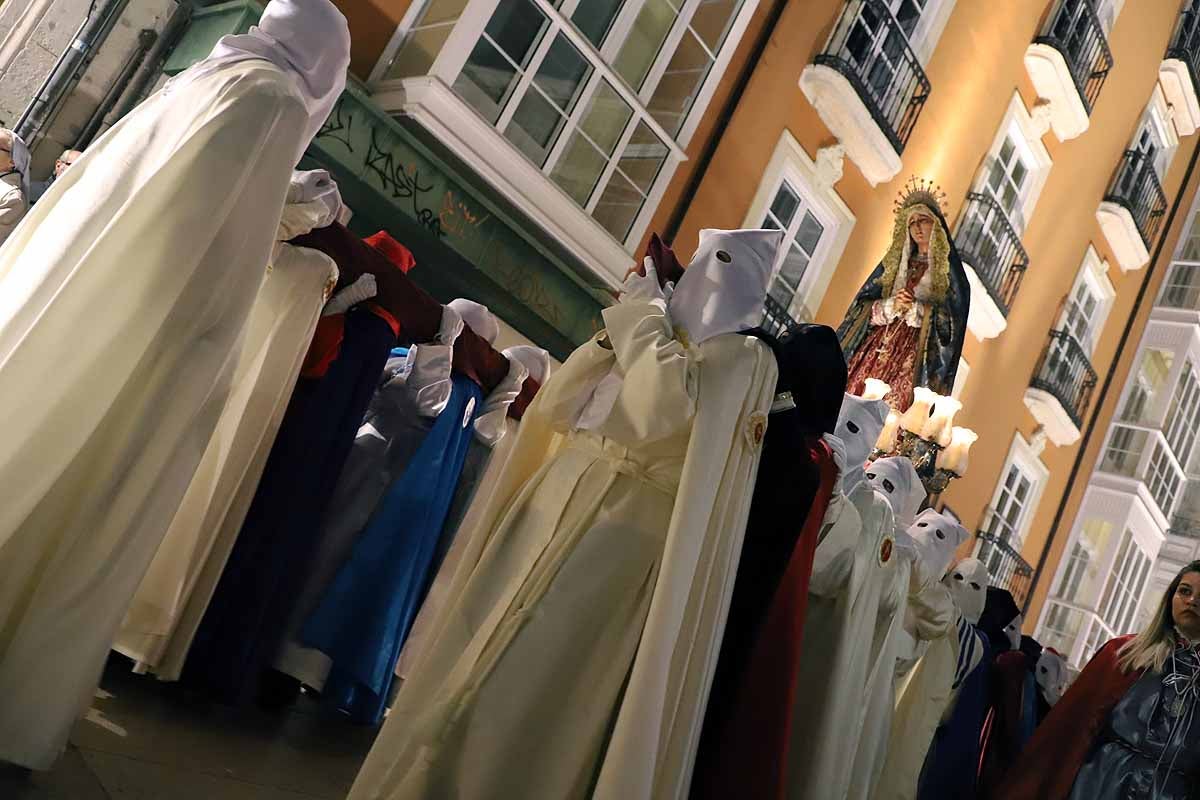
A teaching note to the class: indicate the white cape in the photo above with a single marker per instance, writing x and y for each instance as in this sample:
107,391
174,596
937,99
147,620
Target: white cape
652,746
123,298
162,620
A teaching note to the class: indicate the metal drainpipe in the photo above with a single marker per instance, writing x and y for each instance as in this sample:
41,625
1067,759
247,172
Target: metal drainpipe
1094,420
68,69
151,66
146,40
714,138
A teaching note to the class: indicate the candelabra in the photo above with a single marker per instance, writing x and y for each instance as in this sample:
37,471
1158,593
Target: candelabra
926,435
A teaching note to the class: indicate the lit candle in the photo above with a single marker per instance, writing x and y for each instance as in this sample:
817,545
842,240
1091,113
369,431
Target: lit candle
887,439
954,457
875,389
918,413
941,421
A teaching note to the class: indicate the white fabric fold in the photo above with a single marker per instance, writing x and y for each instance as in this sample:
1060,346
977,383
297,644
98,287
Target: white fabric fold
307,39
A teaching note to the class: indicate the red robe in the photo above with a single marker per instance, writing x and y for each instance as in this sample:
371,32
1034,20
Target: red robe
752,742
1059,748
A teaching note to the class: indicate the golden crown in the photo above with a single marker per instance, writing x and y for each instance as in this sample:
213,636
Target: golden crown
920,191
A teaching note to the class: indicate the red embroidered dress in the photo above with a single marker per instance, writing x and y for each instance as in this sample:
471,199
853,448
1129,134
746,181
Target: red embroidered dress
891,348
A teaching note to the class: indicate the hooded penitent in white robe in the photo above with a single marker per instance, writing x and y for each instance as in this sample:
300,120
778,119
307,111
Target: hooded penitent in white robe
162,618
931,647
849,574
124,295
897,480
582,641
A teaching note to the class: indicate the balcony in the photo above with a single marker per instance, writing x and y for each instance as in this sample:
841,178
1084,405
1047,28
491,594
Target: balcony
1132,212
776,319
1179,73
1068,64
1061,390
868,88
1003,561
995,261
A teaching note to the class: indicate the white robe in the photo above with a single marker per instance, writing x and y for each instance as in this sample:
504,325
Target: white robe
123,299
13,205
845,590
924,692
501,679
879,699
183,575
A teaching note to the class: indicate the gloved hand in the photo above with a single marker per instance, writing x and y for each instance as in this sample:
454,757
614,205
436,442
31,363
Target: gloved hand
642,289
839,459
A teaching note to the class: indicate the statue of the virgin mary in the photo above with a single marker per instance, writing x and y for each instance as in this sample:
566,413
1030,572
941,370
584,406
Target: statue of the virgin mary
907,323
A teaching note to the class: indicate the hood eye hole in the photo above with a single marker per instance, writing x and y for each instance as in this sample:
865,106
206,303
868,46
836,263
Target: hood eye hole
941,536
922,524
850,426
724,257
870,476
976,586
958,576
891,487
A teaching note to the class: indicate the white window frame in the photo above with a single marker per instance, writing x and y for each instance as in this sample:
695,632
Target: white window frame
1019,125
792,163
1094,273
960,379
930,28
431,101
1023,456
1157,117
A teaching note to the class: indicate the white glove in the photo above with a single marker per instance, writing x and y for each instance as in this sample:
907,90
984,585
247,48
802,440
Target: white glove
362,289
642,289
839,459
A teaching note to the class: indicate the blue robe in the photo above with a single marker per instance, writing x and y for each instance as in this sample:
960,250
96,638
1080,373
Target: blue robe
244,625
952,764
364,618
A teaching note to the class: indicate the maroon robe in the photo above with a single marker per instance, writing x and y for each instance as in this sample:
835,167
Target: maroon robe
1058,750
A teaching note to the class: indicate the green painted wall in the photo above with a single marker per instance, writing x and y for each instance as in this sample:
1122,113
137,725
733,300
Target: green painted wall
468,242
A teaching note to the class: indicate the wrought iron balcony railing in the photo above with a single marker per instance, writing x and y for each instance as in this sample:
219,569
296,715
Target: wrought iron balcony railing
1185,44
1005,565
776,319
987,241
1065,372
871,50
1135,187
1074,30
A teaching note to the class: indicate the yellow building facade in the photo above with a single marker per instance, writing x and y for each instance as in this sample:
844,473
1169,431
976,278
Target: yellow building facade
1063,133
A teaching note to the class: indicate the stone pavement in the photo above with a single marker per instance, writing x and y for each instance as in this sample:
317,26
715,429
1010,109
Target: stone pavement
144,740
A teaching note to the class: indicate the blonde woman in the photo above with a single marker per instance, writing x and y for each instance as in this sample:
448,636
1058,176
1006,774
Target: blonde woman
1129,728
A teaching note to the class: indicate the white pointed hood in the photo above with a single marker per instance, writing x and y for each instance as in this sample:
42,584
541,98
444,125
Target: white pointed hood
724,287
859,424
896,479
936,536
968,582
308,39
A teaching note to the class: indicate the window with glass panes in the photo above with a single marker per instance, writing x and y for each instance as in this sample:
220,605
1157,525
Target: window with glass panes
1080,315
793,214
1012,503
1124,451
1163,478
1151,378
880,47
1182,287
593,92
1183,416
1125,584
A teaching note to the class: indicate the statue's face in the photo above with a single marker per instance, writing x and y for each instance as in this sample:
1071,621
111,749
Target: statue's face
920,228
